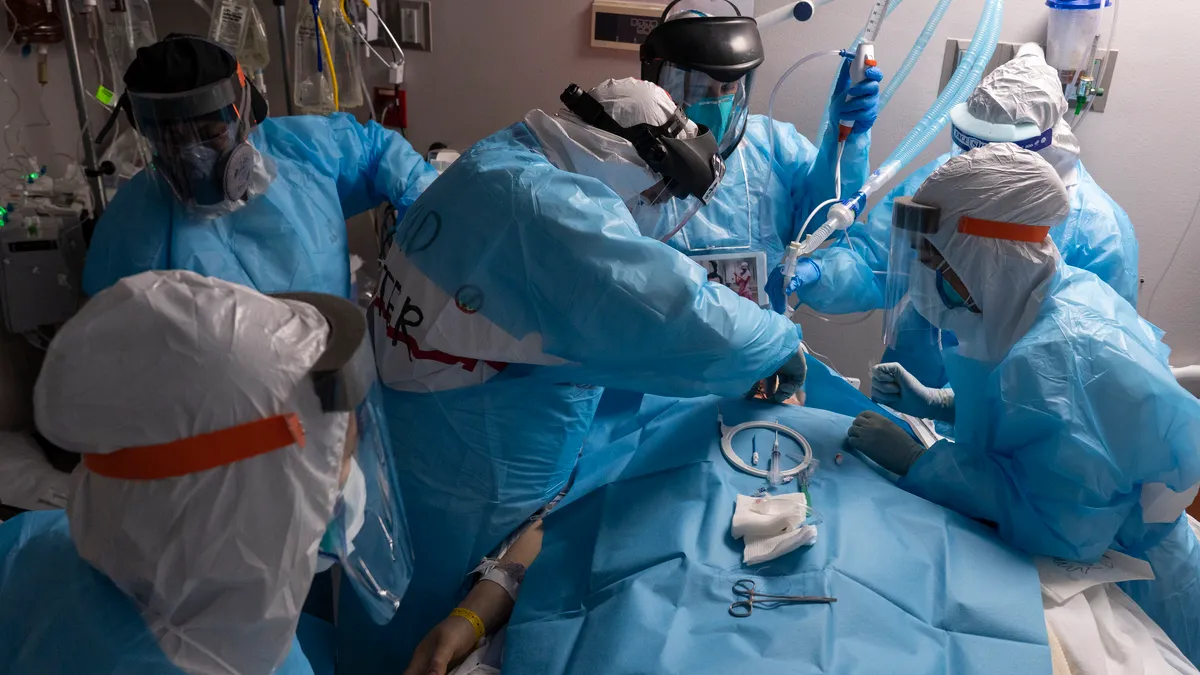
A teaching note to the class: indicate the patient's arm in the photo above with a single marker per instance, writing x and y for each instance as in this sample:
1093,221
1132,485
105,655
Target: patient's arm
453,639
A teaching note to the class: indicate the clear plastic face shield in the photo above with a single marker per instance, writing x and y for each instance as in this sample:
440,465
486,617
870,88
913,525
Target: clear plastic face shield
911,255
368,533
923,293
198,140
706,63
723,107
660,213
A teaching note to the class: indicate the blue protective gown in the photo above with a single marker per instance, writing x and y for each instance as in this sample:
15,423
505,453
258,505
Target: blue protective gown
1096,236
62,616
291,238
506,266
1055,442
767,194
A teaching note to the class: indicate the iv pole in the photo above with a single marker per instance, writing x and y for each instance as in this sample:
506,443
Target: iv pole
90,168
281,10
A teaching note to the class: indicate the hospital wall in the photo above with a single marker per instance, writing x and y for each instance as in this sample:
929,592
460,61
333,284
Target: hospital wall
493,61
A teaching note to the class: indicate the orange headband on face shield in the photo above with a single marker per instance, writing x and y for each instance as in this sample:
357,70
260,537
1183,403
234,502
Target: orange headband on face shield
995,229
199,453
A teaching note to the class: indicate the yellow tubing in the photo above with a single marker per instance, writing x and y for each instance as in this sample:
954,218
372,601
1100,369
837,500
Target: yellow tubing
329,63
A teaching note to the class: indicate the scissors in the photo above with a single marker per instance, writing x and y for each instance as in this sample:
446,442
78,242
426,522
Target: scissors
745,588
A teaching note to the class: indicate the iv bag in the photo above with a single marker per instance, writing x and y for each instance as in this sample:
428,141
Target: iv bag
312,90
228,25
256,51
126,32
347,61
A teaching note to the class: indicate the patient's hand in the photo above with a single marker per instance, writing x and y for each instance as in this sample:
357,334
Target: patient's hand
444,647
762,392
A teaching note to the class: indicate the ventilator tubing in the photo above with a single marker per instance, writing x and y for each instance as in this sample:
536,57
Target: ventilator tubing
914,54
966,77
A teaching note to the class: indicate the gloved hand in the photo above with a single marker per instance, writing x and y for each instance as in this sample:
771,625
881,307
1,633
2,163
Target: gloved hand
894,386
863,105
885,443
807,272
785,382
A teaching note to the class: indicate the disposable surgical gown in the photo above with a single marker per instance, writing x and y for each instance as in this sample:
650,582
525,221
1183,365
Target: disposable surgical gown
1096,236
60,615
766,195
292,237
510,281
1056,441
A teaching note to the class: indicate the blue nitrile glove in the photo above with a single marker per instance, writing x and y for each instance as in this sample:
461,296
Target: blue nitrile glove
884,442
897,388
807,272
863,105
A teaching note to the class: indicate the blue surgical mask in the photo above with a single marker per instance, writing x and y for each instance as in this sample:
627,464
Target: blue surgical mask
951,297
346,522
714,113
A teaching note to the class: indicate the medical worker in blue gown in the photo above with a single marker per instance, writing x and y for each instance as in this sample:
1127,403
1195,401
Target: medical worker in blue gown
218,474
530,274
1071,435
1019,101
771,185
235,195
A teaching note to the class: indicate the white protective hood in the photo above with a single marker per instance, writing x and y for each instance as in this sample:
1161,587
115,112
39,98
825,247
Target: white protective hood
219,561
1027,90
1006,279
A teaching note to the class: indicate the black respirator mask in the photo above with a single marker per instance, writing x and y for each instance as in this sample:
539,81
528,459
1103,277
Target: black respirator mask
689,167
198,139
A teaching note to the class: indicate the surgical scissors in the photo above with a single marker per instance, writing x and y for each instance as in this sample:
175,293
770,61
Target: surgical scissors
745,588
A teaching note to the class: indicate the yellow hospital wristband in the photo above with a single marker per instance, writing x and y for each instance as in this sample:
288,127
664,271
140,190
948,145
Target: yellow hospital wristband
476,622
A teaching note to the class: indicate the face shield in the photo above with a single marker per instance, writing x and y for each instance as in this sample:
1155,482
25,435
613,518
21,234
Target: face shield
659,214
706,63
912,265
198,141
368,533
723,107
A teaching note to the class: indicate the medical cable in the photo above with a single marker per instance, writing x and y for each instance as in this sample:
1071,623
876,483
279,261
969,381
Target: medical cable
1171,262
727,434
783,78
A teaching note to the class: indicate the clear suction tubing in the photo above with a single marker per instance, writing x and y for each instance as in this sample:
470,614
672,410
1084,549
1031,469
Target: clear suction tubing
966,76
